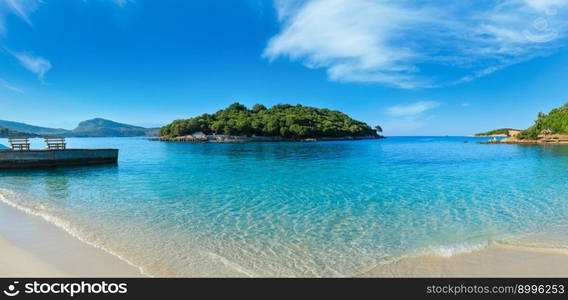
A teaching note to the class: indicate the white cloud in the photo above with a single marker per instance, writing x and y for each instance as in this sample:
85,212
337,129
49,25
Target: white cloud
288,8
546,4
21,8
7,85
406,118
412,110
35,64
122,2
397,42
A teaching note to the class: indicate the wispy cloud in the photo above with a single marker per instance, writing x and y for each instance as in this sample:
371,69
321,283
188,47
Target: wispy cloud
395,42
35,64
409,117
5,84
412,110
21,8
122,2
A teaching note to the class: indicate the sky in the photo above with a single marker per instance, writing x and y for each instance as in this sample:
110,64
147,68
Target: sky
415,67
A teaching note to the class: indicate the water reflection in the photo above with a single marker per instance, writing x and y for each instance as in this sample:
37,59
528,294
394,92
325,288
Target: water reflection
276,151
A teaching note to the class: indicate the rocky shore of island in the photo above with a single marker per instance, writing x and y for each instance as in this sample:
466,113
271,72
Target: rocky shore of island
541,140
221,138
548,129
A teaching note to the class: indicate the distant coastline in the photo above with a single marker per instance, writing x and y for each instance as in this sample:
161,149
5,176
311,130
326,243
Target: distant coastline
499,133
548,129
90,128
552,140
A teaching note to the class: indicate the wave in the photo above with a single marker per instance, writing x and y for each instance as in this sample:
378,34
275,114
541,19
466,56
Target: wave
456,249
520,242
525,244
5,196
541,242
529,242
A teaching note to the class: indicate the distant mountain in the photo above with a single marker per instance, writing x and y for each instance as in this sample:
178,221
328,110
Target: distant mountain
102,127
91,128
5,133
22,127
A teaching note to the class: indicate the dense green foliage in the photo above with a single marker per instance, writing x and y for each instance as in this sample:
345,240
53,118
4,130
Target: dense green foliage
500,131
280,120
556,122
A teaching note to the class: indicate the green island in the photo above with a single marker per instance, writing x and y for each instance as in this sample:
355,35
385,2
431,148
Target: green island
553,123
497,132
551,128
279,122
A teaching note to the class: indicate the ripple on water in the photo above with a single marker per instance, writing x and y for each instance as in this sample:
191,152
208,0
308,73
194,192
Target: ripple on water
299,209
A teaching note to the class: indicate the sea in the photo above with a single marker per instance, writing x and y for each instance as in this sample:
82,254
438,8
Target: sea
298,209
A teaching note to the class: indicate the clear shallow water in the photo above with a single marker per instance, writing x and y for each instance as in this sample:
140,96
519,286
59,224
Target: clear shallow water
298,209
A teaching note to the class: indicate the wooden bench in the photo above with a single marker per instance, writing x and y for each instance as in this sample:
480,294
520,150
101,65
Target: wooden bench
19,144
55,143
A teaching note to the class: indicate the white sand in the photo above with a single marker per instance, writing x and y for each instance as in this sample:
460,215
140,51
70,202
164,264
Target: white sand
16,262
32,247
494,261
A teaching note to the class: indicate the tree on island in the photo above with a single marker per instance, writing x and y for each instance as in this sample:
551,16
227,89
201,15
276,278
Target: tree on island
284,120
555,122
378,128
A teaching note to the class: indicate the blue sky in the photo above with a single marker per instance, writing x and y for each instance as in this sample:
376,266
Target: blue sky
416,67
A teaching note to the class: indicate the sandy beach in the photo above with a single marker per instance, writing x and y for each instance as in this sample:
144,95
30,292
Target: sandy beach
32,247
496,260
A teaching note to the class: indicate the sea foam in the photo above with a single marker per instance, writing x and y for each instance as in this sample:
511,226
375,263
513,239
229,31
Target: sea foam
10,198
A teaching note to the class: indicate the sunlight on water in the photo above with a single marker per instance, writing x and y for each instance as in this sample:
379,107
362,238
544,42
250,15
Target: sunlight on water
298,209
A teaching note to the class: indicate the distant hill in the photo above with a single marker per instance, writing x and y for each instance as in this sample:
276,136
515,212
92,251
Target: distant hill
91,128
5,133
497,132
102,127
22,127
555,122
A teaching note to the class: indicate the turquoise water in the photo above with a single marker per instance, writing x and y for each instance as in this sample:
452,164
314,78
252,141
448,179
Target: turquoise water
297,209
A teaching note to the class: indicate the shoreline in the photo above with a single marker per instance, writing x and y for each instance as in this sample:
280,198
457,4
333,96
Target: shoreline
33,247
514,141
495,260
249,139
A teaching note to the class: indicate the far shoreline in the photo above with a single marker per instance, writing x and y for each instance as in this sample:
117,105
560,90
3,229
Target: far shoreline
539,142
247,139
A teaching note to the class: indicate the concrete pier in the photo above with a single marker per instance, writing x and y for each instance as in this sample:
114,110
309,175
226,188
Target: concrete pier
10,159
